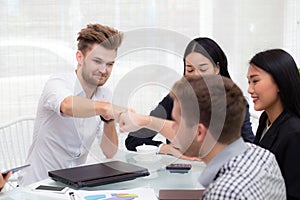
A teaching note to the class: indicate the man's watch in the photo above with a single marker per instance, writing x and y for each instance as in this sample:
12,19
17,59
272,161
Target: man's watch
106,121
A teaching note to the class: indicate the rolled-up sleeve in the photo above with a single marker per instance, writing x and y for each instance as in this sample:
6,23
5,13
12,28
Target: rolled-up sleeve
55,91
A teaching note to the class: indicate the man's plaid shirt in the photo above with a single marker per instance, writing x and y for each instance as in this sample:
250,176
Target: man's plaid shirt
243,171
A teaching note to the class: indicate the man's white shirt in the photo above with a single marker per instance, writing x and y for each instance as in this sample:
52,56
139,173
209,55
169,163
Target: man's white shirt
61,141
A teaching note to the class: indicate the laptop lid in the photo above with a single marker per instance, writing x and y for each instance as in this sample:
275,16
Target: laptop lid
98,174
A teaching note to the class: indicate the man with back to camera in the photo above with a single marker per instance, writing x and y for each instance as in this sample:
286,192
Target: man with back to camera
69,110
235,169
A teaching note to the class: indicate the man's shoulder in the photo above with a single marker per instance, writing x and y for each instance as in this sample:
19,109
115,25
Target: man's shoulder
258,156
253,174
253,170
244,162
66,79
257,150
63,76
251,164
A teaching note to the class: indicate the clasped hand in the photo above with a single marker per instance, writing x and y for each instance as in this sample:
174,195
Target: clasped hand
111,111
130,121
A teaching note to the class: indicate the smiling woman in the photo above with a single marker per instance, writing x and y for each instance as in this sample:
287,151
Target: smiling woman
274,85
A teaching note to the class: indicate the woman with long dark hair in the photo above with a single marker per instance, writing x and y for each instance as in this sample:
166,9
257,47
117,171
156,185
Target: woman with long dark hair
202,56
274,85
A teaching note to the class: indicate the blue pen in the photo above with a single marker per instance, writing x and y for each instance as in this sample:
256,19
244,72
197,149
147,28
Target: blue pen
95,197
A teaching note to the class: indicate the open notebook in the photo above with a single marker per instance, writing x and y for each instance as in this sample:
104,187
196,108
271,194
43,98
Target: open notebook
98,174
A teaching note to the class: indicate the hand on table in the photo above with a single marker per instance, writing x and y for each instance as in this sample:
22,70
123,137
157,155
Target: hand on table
172,150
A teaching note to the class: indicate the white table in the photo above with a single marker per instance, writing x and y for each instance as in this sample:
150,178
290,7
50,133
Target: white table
158,179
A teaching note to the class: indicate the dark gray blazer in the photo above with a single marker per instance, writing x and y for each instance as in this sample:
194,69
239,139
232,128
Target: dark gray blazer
283,139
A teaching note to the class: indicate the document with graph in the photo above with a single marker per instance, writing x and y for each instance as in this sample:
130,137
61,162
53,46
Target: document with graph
132,194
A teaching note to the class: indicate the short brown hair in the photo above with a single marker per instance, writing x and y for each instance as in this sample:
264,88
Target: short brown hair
220,104
107,37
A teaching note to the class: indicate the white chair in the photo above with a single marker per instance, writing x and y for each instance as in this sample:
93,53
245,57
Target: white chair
15,140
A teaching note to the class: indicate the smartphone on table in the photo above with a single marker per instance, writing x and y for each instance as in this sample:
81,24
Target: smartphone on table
179,167
51,188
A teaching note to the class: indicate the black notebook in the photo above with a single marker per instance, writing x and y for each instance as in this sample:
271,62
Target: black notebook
98,174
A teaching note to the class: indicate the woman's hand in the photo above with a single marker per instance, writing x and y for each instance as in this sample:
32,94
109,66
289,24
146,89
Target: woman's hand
174,151
4,179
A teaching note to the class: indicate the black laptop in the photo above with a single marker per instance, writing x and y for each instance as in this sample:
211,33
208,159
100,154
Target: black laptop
98,174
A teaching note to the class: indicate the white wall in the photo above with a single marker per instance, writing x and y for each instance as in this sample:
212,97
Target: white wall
244,28
38,38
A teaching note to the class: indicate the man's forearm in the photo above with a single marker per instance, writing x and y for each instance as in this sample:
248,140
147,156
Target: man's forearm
134,121
162,126
109,142
76,106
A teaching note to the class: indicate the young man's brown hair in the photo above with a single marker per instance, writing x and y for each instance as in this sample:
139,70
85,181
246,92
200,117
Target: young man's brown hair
107,37
214,94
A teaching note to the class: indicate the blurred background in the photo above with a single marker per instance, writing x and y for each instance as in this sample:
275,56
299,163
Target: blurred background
38,39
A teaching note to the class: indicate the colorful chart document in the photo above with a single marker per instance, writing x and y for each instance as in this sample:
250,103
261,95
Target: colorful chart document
132,194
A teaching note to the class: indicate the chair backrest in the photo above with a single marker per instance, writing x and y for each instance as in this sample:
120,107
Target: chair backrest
15,140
